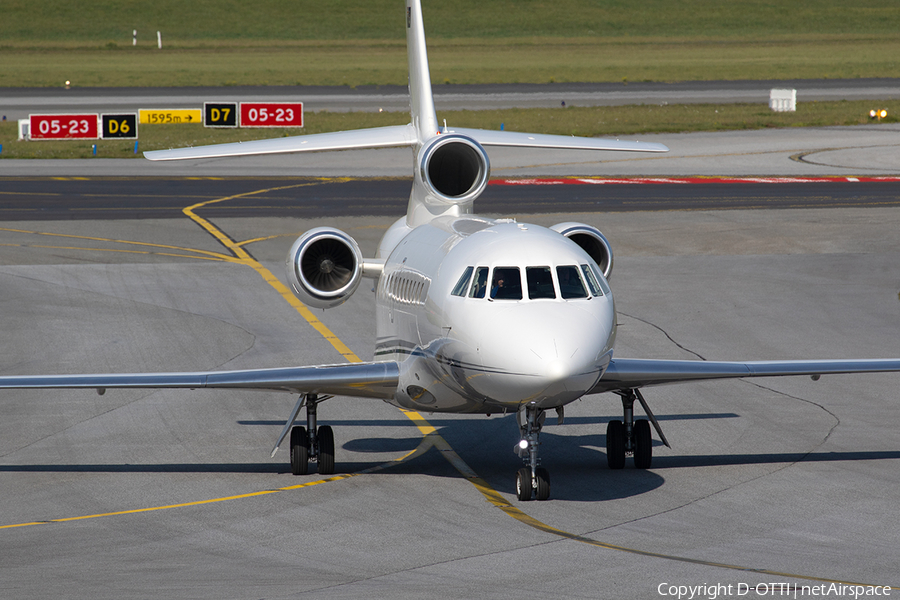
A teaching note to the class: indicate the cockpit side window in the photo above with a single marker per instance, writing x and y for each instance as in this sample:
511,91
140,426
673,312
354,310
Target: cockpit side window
479,283
463,284
506,284
570,285
591,281
604,285
540,282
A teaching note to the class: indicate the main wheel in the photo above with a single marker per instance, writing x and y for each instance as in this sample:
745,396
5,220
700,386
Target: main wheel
615,444
523,484
643,444
325,439
299,451
543,483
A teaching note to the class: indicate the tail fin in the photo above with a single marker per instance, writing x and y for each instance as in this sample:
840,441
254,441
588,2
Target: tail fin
421,100
423,128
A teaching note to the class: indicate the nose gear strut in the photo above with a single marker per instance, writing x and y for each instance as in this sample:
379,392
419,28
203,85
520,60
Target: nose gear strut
532,481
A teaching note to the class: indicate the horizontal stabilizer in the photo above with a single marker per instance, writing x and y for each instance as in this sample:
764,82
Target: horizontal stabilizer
378,137
371,380
487,137
629,373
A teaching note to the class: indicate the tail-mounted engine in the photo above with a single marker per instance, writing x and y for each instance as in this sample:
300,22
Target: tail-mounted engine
324,267
591,241
454,169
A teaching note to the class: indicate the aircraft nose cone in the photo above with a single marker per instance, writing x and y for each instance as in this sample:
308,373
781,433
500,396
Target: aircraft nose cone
545,355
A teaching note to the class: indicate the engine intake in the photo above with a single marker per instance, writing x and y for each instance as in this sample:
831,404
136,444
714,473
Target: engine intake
591,241
324,267
454,168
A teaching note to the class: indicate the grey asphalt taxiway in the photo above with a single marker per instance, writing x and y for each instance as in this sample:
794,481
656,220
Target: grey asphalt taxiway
172,494
18,103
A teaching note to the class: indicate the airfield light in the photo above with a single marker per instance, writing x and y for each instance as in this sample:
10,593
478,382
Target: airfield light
872,113
882,114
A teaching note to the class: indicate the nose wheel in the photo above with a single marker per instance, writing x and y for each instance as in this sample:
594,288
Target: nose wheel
532,480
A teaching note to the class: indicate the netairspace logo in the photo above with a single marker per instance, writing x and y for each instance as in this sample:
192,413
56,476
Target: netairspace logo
770,590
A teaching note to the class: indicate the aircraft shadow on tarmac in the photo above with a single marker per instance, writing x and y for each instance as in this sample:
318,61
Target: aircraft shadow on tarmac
401,422
579,465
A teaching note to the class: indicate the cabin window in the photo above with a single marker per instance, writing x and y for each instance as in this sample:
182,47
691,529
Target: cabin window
506,284
591,281
479,283
540,283
570,285
463,284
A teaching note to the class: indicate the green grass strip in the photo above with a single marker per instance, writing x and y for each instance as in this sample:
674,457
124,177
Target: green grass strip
606,121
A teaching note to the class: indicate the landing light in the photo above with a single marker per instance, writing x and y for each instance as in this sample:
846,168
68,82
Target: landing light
523,444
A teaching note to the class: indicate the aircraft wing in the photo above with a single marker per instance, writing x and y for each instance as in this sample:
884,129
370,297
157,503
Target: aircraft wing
630,373
378,137
371,380
487,137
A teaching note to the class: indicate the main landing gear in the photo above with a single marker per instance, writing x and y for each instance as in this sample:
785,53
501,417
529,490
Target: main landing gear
532,481
310,443
631,437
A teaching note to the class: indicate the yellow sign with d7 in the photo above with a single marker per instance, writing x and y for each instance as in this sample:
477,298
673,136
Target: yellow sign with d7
124,126
220,114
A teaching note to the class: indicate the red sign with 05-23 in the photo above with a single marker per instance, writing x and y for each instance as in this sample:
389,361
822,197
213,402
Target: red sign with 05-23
64,127
271,114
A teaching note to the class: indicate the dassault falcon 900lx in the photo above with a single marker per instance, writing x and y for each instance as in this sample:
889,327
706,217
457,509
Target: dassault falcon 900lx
474,315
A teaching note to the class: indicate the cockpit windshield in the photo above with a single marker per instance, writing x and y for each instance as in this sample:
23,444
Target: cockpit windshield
540,283
570,285
506,284
479,284
571,282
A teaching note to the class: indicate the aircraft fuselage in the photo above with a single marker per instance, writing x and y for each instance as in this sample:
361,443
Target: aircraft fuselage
486,315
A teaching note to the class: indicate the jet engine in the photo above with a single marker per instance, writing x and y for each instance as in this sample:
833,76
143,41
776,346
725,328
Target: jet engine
454,168
591,241
324,267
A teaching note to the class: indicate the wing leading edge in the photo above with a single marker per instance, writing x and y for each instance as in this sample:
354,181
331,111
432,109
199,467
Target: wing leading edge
370,380
487,137
378,137
631,373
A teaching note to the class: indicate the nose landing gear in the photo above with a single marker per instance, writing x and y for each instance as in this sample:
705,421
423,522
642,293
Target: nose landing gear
532,481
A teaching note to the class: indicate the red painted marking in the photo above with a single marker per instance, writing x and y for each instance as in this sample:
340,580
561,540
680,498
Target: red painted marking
684,180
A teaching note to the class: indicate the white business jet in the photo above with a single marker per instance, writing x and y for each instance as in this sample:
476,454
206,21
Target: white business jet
474,315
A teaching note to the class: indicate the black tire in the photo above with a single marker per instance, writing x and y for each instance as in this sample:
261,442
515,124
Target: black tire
543,483
615,444
523,484
643,444
325,440
299,451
